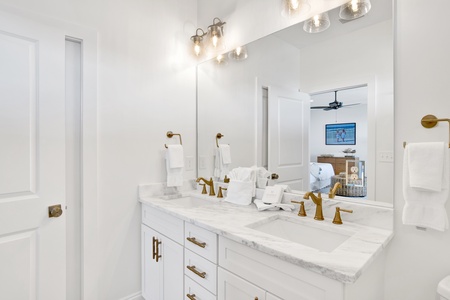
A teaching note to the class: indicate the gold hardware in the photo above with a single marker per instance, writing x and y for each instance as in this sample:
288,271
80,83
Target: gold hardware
318,202
204,188
301,211
218,136
55,211
194,241
210,183
191,296
156,244
337,216
332,193
226,179
170,134
220,194
429,121
274,176
196,272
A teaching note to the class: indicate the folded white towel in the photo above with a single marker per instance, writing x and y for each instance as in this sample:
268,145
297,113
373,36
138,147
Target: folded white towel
426,165
262,176
240,192
262,206
175,156
174,175
225,153
425,208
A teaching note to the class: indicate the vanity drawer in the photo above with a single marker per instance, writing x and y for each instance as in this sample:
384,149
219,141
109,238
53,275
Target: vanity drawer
201,241
165,224
201,270
196,291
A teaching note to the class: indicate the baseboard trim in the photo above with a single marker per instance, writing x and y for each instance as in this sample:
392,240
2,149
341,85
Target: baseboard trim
135,296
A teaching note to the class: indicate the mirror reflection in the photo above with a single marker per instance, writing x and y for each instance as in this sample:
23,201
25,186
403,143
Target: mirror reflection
273,105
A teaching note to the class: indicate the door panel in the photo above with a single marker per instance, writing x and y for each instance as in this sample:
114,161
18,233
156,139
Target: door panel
289,137
31,159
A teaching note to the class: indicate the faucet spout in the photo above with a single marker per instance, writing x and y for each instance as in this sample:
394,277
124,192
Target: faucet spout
318,202
210,183
333,191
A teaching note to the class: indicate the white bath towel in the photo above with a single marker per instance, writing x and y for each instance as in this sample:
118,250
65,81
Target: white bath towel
425,208
241,188
426,164
225,153
220,168
262,176
262,206
175,156
174,174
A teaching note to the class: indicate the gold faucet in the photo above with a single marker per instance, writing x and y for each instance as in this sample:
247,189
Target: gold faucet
334,189
210,183
318,202
337,216
220,194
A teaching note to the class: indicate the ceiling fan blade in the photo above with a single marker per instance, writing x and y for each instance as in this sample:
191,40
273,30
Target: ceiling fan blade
352,104
319,107
329,108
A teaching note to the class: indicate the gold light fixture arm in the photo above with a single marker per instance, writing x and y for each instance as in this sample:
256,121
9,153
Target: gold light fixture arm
429,121
170,135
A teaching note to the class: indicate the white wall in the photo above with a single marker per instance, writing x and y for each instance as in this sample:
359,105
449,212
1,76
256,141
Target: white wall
354,114
417,260
146,86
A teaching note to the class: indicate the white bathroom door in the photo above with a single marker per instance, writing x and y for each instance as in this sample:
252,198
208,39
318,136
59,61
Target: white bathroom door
288,137
32,162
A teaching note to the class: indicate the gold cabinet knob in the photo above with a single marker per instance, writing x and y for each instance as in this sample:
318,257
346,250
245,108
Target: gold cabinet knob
274,176
55,211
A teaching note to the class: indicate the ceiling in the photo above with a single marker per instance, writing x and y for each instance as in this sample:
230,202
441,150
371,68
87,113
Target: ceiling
381,11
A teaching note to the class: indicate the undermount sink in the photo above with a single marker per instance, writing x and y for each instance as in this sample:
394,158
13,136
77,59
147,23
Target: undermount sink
313,235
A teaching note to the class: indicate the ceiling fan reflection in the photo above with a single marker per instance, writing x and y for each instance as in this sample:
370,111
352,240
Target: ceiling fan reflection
334,105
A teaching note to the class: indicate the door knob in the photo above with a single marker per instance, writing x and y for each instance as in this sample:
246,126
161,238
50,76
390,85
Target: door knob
274,176
55,211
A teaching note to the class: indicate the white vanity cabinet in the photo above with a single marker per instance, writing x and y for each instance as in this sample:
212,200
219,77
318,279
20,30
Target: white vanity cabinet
162,256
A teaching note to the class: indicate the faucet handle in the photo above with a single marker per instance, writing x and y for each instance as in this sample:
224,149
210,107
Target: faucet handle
220,194
337,216
204,188
301,211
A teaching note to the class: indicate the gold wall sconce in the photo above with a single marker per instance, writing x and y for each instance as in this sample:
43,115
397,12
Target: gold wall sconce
292,8
318,23
240,53
354,9
197,39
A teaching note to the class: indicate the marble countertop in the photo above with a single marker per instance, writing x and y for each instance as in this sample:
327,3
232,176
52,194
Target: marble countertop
345,263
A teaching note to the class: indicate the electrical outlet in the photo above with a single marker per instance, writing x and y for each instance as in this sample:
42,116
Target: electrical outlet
189,163
386,156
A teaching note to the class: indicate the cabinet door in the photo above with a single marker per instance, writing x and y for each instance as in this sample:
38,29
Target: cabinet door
162,266
232,287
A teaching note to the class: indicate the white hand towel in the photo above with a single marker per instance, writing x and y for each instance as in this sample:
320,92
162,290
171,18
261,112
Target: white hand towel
426,165
220,169
225,153
241,188
262,206
425,208
174,175
175,156
240,192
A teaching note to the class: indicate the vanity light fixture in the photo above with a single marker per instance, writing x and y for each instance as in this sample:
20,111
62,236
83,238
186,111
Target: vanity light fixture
354,9
197,40
215,35
318,23
221,59
240,53
294,7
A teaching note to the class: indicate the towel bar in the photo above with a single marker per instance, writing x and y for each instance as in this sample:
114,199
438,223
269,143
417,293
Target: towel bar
429,121
170,134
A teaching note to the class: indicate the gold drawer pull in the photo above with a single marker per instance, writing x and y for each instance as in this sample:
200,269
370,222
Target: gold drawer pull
196,272
194,241
191,296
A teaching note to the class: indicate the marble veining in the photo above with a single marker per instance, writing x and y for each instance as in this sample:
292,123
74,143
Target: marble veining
345,263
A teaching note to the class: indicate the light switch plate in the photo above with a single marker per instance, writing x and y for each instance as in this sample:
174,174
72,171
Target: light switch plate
189,163
386,156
